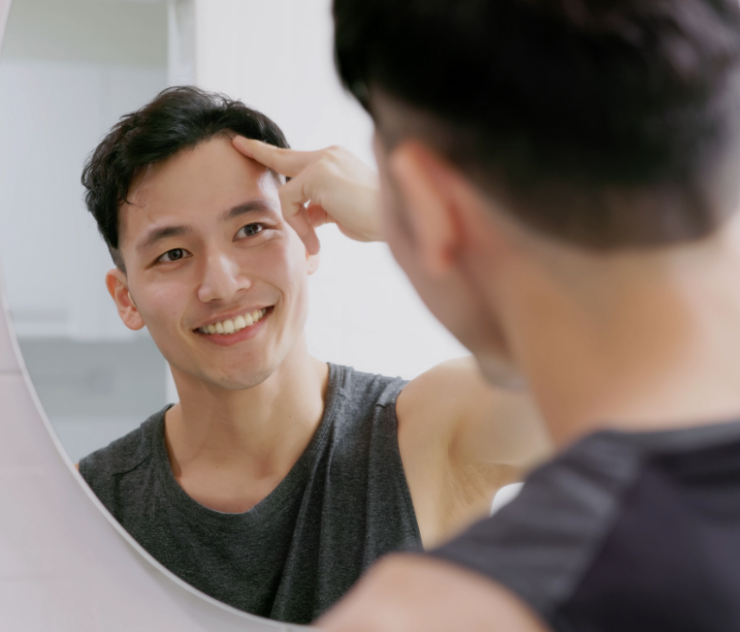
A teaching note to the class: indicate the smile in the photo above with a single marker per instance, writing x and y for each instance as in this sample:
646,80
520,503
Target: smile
232,325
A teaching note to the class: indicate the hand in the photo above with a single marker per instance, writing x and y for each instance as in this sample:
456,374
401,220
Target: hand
327,186
413,593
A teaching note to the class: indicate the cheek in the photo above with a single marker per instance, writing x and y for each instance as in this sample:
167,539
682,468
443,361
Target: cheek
396,228
159,303
399,241
282,263
297,274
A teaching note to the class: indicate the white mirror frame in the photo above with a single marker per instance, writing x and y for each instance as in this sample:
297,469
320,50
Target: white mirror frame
65,563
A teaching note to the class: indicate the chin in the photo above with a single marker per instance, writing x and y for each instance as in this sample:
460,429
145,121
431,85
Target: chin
244,382
237,380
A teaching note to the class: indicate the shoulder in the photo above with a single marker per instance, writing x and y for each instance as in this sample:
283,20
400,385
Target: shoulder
366,389
434,404
418,593
122,455
474,423
444,389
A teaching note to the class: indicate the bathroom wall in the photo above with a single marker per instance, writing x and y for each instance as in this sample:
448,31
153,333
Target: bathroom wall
68,70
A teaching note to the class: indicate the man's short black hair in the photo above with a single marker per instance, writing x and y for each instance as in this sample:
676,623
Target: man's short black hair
606,123
178,118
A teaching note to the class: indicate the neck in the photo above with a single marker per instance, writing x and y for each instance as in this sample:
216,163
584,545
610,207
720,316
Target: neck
261,430
631,341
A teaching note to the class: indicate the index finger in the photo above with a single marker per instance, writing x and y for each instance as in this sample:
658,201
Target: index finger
287,162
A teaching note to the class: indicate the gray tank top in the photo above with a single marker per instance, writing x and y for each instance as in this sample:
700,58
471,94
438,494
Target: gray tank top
344,503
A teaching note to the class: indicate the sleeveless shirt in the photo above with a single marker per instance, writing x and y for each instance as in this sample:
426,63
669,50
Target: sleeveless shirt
344,503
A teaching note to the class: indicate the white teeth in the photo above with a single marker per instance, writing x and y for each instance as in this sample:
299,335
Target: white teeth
230,326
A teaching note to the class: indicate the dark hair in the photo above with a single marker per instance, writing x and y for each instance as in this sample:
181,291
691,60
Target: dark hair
178,118
605,123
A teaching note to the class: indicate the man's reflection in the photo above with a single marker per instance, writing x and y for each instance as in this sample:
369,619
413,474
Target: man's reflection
278,478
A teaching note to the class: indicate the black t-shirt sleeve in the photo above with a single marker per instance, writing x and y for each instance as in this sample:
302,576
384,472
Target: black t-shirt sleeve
542,543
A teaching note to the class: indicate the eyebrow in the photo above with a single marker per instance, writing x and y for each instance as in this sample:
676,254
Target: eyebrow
247,207
158,234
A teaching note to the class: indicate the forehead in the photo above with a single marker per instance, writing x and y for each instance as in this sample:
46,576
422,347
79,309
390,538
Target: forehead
195,186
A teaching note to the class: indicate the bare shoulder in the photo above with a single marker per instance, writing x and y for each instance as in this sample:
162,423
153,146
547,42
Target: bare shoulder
453,409
416,593
461,440
440,395
428,409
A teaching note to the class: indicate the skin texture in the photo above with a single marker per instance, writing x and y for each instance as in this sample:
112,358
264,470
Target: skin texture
249,407
632,340
404,593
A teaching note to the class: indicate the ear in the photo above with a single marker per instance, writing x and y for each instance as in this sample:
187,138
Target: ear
117,285
423,179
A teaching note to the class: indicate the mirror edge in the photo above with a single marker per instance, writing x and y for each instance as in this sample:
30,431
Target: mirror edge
88,532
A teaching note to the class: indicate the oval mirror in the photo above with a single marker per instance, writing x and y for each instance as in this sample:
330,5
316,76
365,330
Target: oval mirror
65,565
68,72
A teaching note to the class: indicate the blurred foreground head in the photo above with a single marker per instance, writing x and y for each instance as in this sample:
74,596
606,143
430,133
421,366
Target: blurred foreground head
605,124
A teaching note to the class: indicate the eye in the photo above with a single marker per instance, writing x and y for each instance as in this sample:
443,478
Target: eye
250,230
174,255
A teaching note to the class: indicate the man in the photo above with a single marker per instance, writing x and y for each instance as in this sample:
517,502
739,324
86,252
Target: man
277,479
560,184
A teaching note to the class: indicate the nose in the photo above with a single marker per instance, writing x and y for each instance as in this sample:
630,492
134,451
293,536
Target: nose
222,279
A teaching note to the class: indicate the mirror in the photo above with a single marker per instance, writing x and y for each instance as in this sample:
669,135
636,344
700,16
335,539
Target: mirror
68,72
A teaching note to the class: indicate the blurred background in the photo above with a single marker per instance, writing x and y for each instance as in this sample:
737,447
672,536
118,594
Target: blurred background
68,70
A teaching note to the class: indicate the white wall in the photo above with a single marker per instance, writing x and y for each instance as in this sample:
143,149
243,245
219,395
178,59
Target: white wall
277,57
69,70
52,115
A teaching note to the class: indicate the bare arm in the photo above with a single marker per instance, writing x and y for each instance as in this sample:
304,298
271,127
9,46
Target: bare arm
461,440
487,424
405,593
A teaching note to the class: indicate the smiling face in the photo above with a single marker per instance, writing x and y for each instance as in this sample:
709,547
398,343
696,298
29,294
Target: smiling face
212,269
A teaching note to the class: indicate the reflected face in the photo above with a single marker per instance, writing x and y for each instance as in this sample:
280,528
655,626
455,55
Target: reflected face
213,270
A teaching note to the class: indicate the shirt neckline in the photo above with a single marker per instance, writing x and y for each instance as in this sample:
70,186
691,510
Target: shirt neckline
682,438
270,506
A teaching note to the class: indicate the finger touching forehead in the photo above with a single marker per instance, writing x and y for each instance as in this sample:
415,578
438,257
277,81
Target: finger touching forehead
208,178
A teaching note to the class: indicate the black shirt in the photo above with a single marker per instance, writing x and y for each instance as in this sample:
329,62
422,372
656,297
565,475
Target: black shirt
623,532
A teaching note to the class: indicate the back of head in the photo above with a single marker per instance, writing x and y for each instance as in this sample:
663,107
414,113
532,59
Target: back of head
608,124
177,119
